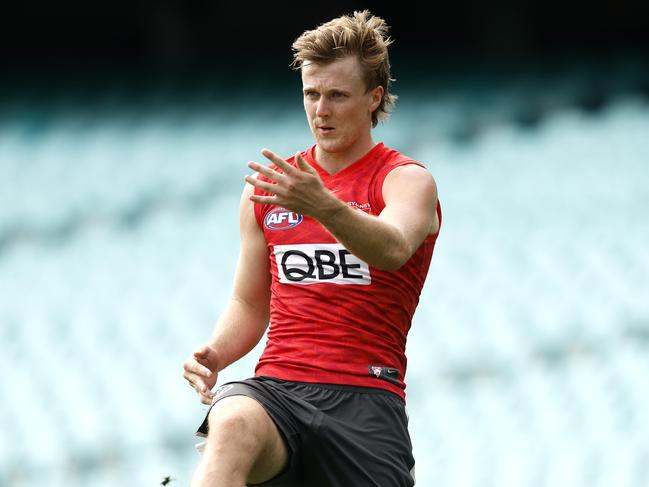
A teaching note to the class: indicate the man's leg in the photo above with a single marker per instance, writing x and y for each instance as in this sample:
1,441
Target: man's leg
243,445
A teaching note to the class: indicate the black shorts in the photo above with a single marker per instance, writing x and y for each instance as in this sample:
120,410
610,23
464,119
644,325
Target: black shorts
337,436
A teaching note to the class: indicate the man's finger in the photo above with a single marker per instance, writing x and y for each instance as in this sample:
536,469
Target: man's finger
303,165
206,356
194,381
264,186
203,361
205,399
264,200
198,369
202,352
278,161
266,171
200,386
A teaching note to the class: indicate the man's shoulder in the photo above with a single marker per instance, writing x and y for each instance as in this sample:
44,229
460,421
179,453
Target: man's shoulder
393,158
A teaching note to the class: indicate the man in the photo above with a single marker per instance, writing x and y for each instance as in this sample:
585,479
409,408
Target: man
335,246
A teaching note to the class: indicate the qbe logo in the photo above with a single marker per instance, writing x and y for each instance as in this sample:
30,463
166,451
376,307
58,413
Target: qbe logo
282,219
320,263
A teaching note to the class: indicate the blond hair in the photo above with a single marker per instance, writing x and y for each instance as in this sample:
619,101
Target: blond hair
362,35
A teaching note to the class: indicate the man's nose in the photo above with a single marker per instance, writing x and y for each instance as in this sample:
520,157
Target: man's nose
322,107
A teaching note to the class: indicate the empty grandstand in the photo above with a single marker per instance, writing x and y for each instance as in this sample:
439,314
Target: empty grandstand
529,352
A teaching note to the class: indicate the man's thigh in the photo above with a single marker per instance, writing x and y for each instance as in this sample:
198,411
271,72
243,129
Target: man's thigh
241,429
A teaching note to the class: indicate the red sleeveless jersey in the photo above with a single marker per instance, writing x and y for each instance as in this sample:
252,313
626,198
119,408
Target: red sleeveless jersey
333,318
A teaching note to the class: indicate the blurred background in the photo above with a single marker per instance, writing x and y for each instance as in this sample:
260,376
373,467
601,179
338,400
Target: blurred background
124,133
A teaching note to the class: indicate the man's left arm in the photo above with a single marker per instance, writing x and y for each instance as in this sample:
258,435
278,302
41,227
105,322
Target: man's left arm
385,241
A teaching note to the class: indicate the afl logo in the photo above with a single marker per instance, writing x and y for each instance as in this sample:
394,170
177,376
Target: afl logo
282,219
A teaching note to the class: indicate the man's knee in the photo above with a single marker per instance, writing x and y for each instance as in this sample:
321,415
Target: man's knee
239,427
237,420
243,445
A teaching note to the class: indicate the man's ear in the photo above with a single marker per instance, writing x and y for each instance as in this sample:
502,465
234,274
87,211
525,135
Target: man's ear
377,96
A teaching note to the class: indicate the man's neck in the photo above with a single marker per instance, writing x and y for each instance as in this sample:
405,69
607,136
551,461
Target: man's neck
334,162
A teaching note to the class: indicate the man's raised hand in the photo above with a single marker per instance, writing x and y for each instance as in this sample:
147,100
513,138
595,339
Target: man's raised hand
298,189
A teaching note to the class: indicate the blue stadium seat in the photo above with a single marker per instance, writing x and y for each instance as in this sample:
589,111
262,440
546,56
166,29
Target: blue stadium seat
527,355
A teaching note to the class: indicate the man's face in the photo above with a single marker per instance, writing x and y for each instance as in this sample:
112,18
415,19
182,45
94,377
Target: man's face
338,108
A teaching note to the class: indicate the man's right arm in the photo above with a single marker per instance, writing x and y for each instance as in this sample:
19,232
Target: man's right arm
245,317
